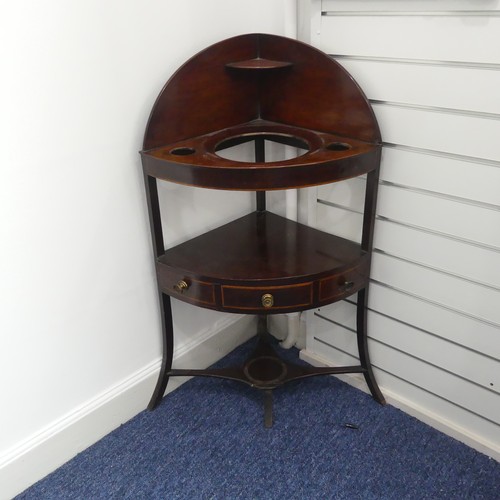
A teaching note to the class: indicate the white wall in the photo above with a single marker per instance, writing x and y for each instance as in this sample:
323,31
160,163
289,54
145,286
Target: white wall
78,302
432,73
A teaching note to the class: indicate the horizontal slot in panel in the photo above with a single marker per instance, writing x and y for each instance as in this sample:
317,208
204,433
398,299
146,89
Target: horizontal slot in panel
453,87
437,381
427,212
450,325
452,176
457,219
470,422
472,366
453,38
340,338
343,223
420,398
459,134
343,312
408,5
473,299
461,259
427,376
349,193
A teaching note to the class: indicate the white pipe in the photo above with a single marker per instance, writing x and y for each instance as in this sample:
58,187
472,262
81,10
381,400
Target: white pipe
293,331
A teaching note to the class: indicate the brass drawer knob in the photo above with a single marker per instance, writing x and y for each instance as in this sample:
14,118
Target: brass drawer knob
348,285
267,300
180,286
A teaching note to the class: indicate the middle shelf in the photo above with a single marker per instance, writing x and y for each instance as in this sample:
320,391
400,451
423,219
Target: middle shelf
263,263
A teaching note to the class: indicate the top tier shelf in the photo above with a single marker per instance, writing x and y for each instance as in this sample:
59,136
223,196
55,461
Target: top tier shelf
254,88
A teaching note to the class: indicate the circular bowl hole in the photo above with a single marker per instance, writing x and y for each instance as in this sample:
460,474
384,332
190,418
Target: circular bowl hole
239,146
338,146
181,151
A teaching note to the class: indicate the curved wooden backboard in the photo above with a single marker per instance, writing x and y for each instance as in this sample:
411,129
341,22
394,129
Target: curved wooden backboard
210,92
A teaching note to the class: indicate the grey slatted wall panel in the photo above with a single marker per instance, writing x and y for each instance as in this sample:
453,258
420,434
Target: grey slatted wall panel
434,322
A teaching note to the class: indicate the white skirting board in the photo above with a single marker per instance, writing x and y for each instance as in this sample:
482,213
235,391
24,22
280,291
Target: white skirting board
422,414
54,445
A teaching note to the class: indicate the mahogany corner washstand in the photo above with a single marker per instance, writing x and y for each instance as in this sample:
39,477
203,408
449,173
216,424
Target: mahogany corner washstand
261,88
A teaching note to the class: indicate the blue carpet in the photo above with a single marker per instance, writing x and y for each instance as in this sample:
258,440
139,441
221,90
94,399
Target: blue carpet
207,441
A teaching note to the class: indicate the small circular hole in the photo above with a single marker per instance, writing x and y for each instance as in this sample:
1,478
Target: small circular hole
338,146
182,151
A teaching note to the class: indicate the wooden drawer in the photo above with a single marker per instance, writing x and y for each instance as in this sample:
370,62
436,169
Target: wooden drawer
342,285
184,287
261,299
